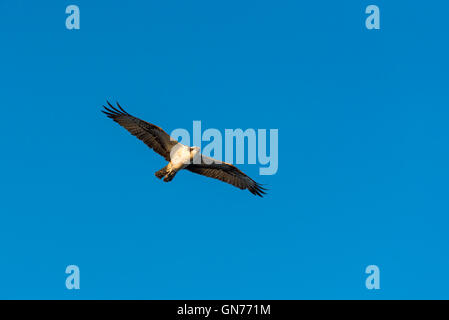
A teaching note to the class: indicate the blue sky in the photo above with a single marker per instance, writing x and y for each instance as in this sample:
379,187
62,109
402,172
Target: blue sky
363,150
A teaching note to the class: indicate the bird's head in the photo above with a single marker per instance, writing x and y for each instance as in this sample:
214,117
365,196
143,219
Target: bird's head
194,151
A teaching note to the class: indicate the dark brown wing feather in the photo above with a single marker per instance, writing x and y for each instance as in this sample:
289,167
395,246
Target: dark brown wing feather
153,136
227,173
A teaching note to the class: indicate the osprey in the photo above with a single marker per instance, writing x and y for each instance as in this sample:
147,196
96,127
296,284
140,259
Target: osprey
180,156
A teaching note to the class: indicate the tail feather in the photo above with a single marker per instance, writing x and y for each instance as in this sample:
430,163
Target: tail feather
165,173
161,173
169,177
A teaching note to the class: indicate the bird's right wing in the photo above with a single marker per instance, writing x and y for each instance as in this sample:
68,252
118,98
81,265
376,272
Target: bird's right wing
153,136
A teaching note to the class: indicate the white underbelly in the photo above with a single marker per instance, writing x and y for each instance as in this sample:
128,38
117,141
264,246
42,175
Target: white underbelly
180,158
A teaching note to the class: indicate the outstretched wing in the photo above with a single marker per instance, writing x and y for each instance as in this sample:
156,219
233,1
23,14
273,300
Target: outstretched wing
227,173
153,136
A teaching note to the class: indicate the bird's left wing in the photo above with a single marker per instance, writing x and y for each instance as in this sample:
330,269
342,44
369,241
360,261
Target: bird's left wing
227,173
153,136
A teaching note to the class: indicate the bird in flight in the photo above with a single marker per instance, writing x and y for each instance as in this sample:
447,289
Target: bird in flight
180,156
